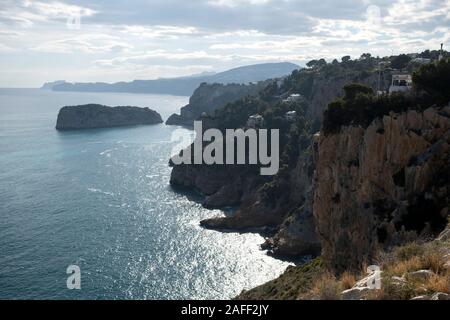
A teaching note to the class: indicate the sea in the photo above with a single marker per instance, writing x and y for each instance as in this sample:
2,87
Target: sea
101,200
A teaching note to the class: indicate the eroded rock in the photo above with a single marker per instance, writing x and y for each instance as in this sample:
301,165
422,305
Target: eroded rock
380,185
440,296
420,275
358,293
423,297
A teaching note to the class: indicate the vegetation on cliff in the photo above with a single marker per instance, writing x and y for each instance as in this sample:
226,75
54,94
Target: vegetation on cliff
433,80
360,106
410,156
261,201
381,196
207,98
416,270
295,281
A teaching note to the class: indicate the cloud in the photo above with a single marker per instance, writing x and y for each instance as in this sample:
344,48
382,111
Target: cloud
151,37
235,3
128,72
88,43
26,13
147,58
4,48
160,31
10,33
218,16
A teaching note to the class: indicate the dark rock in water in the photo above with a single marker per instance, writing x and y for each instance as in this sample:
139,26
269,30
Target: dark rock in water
98,116
177,120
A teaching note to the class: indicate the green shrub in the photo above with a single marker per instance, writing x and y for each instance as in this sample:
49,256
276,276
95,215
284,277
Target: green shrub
360,106
408,251
353,89
434,79
400,62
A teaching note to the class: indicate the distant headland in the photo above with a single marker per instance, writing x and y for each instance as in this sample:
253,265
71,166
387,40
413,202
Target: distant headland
183,86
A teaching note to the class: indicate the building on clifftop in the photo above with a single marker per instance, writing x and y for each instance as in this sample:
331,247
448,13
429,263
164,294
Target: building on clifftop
400,83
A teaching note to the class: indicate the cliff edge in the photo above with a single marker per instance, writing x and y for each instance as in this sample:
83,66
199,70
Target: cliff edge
207,98
382,185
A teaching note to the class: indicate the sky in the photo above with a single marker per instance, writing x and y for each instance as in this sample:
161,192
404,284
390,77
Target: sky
104,40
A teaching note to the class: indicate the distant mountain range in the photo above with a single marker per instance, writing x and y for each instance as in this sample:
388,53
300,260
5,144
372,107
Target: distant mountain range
181,85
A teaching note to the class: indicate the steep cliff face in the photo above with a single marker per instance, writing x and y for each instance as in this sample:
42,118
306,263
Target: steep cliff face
98,116
381,185
323,88
288,214
210,97
221,185
296,235
326,89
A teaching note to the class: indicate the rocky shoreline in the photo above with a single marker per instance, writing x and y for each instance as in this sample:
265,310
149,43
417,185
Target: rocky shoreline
222,186
373,178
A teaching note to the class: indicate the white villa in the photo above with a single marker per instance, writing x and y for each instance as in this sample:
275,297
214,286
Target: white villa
293,98
255,121
400,83
290,115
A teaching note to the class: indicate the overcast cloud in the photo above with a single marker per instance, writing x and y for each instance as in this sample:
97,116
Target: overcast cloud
125,40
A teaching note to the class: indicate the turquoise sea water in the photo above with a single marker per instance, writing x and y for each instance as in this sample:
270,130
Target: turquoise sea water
101,199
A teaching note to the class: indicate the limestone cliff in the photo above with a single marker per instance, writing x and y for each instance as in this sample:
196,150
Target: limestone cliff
381,185
207,98
326,88
296,234
380,191
288,212
98,116
282,207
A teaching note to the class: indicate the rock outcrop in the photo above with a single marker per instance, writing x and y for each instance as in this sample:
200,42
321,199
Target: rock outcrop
98,116
372,182
221,185
381,185
325,88
288,216
296,235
